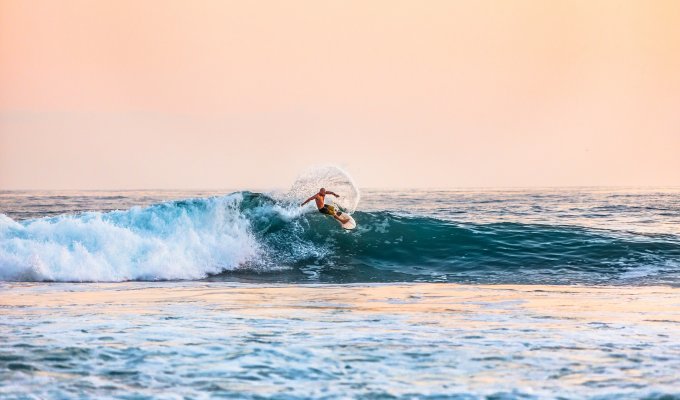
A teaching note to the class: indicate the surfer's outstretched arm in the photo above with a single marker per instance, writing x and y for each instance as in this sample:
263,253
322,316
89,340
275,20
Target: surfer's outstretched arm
308,200
333,193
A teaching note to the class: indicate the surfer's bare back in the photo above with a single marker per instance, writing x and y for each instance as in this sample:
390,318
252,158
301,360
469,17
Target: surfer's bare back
320,198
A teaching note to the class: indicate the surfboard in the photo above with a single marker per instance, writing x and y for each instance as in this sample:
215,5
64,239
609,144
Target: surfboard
349,225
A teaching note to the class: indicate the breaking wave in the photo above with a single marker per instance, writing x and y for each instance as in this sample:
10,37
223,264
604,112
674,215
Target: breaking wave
252,236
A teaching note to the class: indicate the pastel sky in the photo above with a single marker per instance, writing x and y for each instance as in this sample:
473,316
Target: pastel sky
245,94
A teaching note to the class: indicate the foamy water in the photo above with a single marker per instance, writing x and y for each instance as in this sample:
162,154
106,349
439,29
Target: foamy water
201,340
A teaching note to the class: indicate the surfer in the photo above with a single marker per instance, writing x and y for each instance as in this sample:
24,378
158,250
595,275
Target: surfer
325,208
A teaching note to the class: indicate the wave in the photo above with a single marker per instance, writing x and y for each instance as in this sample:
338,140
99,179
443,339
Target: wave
251,236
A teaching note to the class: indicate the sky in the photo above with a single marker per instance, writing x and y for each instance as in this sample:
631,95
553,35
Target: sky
153,94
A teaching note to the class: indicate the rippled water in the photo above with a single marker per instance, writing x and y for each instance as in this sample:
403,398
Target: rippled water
200,340
242,295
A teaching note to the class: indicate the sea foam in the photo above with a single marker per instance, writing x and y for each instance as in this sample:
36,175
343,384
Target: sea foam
187,239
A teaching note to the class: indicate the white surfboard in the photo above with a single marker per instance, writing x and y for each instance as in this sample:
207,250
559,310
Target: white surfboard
349,225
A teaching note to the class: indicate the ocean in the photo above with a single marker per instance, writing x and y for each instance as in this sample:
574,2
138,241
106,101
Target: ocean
468,293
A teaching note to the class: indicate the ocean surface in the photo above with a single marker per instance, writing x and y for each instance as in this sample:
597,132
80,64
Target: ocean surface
567,236
497,294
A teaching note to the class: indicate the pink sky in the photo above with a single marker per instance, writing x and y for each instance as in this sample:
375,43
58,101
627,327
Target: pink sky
225,94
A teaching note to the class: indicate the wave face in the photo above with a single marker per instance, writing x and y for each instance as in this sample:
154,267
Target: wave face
253,237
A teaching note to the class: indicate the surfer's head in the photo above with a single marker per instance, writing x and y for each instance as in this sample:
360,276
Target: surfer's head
322,191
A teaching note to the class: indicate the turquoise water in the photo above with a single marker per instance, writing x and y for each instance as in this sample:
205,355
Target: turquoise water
574,236
188,295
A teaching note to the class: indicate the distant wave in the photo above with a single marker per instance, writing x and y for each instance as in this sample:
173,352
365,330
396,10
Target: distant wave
255,236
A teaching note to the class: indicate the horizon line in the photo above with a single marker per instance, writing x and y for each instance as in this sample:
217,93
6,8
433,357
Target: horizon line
360,188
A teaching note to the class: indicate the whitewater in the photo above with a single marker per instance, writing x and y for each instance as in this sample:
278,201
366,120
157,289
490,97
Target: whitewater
566,236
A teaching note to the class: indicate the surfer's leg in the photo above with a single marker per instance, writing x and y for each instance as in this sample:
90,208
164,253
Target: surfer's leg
341,220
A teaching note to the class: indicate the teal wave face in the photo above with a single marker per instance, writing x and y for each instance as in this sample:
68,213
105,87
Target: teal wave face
391,247
250,236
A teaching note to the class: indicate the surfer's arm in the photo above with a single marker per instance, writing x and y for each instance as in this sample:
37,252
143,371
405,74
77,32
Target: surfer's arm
308,200
333,193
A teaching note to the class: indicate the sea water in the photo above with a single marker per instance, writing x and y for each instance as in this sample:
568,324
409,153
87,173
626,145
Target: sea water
536,293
